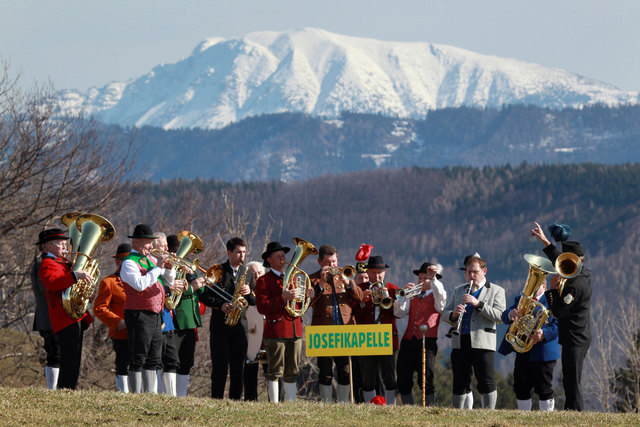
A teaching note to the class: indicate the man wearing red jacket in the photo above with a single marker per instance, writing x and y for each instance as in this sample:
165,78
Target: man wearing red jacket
56,276
370,313
109,308
282,332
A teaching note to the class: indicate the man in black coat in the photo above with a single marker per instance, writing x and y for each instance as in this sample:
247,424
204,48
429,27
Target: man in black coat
571,306
229,343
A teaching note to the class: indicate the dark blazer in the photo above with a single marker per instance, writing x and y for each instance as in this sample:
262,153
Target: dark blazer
228,283
41,320
572,308
544,351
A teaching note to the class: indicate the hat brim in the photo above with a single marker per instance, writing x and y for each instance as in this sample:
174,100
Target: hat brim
438,276
370,266
146,236
265,255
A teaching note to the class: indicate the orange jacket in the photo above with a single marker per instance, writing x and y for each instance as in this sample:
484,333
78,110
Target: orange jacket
109,305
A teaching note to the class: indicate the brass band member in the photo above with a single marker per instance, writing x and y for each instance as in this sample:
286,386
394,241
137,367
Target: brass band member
229,343
473,349
42,324
333,305
56,276
250,375
144,291
370,313
424,309
282,332
109,308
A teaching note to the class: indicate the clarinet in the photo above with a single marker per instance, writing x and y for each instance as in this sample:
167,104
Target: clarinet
455,330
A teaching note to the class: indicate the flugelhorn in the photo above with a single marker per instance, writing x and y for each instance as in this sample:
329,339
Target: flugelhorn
568,266
532,314
380,295
189,243
296,279
93,230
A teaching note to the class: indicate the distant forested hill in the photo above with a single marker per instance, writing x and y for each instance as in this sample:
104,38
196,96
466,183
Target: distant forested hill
293,147
416,214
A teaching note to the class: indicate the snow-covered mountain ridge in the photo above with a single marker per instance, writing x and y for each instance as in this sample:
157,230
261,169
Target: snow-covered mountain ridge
320,73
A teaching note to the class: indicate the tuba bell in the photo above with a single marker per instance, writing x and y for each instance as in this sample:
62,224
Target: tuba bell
568,266
532,314
189,243
93,230
298,280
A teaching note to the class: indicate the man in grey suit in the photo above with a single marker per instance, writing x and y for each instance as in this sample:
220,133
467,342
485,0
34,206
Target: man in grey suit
480,303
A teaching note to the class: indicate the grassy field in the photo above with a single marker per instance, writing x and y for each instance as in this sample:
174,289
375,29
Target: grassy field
38,406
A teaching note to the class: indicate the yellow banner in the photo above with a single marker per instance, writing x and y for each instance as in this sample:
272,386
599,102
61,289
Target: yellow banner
349,340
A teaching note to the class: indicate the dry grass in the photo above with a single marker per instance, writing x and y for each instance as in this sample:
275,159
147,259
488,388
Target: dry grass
28,406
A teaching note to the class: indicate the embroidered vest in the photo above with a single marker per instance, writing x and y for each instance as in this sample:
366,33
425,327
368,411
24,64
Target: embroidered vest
152,298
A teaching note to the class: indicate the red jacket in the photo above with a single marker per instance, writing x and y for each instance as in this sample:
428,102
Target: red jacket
56,276
109,305
278,323
366,315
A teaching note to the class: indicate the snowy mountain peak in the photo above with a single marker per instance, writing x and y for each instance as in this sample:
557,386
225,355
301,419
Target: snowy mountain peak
320,73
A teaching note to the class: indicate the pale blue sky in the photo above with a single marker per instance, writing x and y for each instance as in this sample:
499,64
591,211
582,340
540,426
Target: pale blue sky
83,43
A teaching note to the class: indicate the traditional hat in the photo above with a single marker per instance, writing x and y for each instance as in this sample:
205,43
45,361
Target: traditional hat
173,243
361,258
573,247
122,251
271,248
376,261
51,234
142,231
467,258
424,268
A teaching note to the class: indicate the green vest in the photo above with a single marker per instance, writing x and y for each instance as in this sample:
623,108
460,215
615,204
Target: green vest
187,313
143,262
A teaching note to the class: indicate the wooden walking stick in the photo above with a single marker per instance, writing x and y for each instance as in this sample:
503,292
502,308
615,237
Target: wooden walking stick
424,329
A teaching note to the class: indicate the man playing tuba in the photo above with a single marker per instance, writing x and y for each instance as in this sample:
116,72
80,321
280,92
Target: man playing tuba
56,276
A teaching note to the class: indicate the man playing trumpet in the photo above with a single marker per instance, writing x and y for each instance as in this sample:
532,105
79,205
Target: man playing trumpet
423,309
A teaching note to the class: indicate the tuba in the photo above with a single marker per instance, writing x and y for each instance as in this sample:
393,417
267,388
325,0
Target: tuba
530,320
380,295
189,243
69,219
568,266
93,229
298,280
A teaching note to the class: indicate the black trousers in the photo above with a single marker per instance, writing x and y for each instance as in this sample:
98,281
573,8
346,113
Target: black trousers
467,360
325,368
186,343
572,362
536,376
70,341
369,366
121,348
144,330
170,360
51,347
410,361
228,355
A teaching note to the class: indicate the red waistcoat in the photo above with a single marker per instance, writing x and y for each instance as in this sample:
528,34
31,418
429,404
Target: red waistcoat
422,312
151,299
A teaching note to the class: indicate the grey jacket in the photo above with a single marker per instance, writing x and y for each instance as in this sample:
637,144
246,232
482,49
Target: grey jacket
484,318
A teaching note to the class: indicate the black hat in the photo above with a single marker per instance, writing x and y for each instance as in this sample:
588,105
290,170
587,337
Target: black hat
142,231
173,243
376,261
271,248
51,234
122,251
467,258
573,247
425,266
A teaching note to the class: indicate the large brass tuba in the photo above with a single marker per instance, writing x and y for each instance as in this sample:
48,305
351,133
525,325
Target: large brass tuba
532,314
189,243
298,280
568,266
93,229
69,219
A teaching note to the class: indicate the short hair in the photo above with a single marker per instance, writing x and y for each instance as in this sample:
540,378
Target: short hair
256,263
234,242
158,235
326,250
481,263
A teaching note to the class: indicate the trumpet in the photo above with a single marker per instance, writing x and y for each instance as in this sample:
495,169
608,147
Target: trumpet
410,293
380,295
455,330
568,266
346,273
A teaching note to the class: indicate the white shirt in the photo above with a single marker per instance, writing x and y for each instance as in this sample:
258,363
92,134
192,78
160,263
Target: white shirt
130,274
401,307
